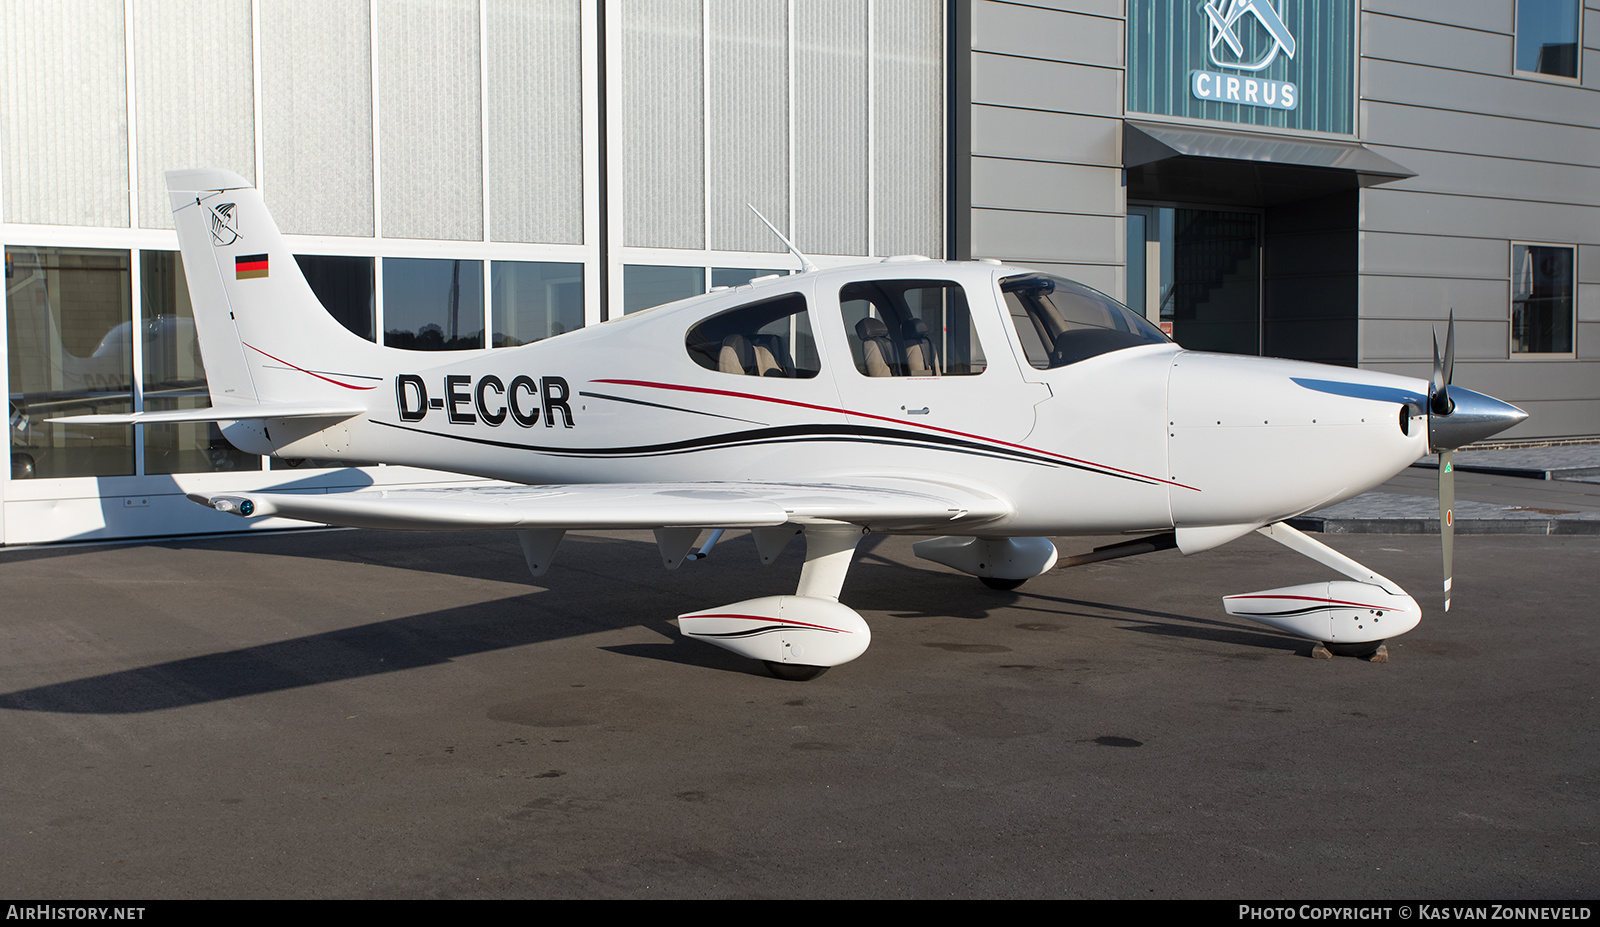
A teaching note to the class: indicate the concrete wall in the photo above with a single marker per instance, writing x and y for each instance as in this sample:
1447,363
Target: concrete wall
1499,158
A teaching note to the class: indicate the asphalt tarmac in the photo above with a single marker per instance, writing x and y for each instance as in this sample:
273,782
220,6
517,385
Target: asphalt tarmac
351,714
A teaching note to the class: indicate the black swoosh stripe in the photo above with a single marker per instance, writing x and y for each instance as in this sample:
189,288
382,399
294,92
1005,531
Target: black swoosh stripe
791,434
1297,611
657,405
765,629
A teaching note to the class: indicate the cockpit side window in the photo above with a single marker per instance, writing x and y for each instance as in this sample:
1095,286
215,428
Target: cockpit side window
771,338
1060,322
910,328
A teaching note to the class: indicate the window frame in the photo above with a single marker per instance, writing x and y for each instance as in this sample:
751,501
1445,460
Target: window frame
1577,77
1511,303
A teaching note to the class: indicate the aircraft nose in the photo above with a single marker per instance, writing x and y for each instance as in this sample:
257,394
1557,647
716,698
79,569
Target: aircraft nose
1474,418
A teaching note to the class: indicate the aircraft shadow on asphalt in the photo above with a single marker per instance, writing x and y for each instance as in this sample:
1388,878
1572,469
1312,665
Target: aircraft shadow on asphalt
596,585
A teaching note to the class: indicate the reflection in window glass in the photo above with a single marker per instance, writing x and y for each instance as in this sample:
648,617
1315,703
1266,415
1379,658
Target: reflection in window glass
1541,299
344,287
771,338
1061,322
910,328
174,376
70,346
532,302
432,305
646,285
1547,37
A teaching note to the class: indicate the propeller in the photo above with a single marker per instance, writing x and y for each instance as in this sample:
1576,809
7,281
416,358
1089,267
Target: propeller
1456,418
1439,404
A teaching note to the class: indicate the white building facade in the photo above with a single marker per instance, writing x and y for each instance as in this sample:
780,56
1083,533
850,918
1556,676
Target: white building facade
453,174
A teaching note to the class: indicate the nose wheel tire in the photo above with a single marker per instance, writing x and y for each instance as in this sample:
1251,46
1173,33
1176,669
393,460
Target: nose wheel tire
1001,584
794,672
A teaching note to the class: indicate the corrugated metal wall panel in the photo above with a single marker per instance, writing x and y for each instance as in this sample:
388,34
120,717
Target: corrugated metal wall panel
194,100
535,131
65,112
908,106
830,120
748,142
663,151
316,116
430,120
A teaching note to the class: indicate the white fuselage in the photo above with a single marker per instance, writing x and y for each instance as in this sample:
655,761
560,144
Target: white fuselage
1149,437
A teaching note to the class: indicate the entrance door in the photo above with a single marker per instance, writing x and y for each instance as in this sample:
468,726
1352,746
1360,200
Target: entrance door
1197,274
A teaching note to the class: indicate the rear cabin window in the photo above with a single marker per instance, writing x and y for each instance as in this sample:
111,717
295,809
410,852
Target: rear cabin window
771,338
910,328
1060,322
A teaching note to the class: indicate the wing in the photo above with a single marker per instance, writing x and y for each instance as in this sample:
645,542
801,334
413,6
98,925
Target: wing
875,503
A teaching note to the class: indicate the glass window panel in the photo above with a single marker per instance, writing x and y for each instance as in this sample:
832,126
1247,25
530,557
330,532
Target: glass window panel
1547,37
532,301
1216,297
344,285
175,377
739,276
926,329
647,285
70,346
1061,322
432,305
771,338
1541,299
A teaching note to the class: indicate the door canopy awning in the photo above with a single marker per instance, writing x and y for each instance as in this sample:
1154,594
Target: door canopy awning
1215,165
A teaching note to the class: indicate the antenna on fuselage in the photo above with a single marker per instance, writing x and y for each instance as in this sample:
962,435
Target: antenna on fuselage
805,263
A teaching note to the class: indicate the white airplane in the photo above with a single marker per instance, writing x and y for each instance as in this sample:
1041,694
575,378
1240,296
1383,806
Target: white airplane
981,405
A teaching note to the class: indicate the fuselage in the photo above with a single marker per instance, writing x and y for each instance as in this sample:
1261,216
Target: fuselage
791,379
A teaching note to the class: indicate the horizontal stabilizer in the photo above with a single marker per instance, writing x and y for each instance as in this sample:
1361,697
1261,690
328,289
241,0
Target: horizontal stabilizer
328,410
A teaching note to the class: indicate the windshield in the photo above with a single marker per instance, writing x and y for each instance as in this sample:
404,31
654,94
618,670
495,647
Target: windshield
1061,322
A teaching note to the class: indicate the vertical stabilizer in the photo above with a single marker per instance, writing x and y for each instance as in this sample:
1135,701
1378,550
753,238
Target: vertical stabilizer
263,334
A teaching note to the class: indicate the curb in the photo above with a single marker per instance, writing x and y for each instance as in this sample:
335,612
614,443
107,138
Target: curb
1531,473
1532,526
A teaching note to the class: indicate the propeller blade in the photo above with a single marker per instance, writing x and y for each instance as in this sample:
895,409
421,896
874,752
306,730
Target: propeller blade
1443,370
1450,351
1447,521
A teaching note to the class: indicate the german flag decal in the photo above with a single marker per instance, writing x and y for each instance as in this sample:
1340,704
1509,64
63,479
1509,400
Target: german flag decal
247,266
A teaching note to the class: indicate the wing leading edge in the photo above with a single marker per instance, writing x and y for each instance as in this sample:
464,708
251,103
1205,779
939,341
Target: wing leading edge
876,504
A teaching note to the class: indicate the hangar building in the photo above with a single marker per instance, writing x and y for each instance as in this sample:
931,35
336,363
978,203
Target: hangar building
1322,179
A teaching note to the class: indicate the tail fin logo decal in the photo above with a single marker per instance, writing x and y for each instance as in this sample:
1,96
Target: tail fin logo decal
224,224
250,266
